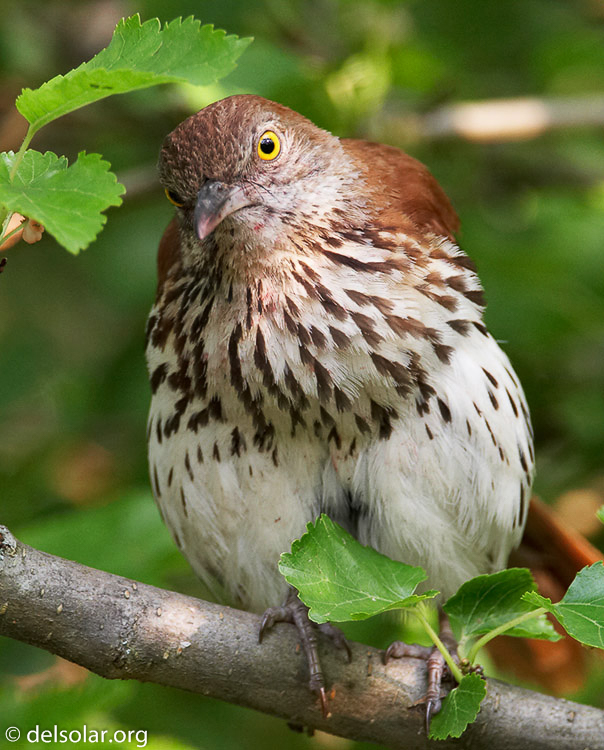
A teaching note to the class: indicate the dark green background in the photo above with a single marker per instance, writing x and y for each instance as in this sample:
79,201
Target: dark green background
73,384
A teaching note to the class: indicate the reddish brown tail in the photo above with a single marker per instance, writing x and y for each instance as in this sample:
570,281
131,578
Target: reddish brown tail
555,554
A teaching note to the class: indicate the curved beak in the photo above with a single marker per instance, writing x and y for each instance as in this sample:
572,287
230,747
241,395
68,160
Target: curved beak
215,201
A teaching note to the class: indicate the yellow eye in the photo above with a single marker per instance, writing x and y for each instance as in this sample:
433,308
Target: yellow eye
174,198
269,146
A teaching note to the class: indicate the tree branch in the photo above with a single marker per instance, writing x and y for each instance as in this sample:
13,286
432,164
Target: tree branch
121,629
496,120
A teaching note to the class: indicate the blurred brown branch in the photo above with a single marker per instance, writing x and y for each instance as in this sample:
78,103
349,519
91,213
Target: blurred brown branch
497,120
122,629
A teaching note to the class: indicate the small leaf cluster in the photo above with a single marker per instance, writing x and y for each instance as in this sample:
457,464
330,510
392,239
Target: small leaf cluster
339,579
69,200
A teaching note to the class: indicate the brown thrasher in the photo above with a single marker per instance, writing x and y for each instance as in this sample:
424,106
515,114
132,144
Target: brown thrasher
317,345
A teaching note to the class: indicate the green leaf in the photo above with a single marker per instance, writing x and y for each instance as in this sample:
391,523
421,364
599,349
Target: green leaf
487,602
459,708
138,56
600,513
67,200
340,579
539,601
581,610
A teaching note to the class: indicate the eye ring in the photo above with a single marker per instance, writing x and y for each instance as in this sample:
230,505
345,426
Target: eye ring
174,198
269,146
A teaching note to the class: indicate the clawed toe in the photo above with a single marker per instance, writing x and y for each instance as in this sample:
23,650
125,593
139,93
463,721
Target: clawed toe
271,617
438,671
323,699
399,650
295,612
337,638
432,708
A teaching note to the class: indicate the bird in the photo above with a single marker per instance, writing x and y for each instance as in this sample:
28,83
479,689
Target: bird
317,345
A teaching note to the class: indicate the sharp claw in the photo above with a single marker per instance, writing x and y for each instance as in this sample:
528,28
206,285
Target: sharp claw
323,697
428,716
432,708
262,628
348,651
388,654
269,618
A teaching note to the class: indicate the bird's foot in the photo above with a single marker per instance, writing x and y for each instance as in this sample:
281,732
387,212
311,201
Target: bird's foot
438,671
337,637
295,612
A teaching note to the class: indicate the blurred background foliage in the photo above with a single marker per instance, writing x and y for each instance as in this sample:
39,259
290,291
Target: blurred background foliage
74,388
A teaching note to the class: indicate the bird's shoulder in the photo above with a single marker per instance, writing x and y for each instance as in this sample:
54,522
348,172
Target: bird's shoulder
403,188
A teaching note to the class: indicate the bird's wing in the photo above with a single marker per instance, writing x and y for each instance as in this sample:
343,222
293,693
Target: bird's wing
406,186
168,253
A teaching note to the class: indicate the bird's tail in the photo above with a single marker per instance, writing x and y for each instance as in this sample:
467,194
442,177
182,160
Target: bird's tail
555,553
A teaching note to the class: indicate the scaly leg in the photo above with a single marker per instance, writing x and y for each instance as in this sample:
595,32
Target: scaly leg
438,671
295,612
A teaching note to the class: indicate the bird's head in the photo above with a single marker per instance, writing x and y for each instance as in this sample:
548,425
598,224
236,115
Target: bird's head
250,164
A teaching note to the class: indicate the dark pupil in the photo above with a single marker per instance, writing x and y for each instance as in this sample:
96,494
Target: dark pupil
267,146
174,197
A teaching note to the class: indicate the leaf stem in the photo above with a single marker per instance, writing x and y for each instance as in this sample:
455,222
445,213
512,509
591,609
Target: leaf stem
501,629
31,131
455,670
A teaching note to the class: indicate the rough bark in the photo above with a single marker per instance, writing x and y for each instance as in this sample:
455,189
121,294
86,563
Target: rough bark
122,629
